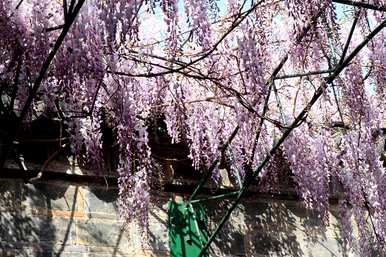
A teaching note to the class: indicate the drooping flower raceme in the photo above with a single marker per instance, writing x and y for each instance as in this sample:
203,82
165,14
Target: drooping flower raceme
207,70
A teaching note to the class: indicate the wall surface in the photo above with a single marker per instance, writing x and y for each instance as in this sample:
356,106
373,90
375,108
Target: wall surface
60,219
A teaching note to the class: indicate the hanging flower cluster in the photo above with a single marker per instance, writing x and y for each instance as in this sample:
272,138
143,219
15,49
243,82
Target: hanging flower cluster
312,164
248,65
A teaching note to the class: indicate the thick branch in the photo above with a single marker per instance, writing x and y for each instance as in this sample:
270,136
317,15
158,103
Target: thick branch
361,4
348,39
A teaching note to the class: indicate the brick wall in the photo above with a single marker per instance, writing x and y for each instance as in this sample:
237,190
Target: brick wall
69,220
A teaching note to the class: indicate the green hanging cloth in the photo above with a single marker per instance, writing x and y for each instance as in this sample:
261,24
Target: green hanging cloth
187,225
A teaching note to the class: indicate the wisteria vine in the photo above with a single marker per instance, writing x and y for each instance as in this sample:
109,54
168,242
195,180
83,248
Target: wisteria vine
203,69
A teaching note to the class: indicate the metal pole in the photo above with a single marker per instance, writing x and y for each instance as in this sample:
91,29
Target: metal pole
303,74
361,4
215,197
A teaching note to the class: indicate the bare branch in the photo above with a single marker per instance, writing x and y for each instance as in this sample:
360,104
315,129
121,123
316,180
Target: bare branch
303,74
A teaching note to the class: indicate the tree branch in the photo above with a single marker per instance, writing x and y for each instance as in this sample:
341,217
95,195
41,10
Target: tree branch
305,74
349,39
361,4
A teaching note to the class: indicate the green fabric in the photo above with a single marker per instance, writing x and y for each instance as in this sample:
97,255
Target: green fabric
185,240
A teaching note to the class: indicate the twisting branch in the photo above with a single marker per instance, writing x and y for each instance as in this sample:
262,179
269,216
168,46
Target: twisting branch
48,161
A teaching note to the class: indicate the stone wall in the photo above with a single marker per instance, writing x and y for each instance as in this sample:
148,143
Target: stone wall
69,220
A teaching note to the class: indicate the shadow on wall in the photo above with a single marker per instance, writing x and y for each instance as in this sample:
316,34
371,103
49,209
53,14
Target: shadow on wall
39,220
272,228
17,227
29,225
158,238
21,232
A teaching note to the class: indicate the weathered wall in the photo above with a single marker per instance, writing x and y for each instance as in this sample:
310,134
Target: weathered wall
60,219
